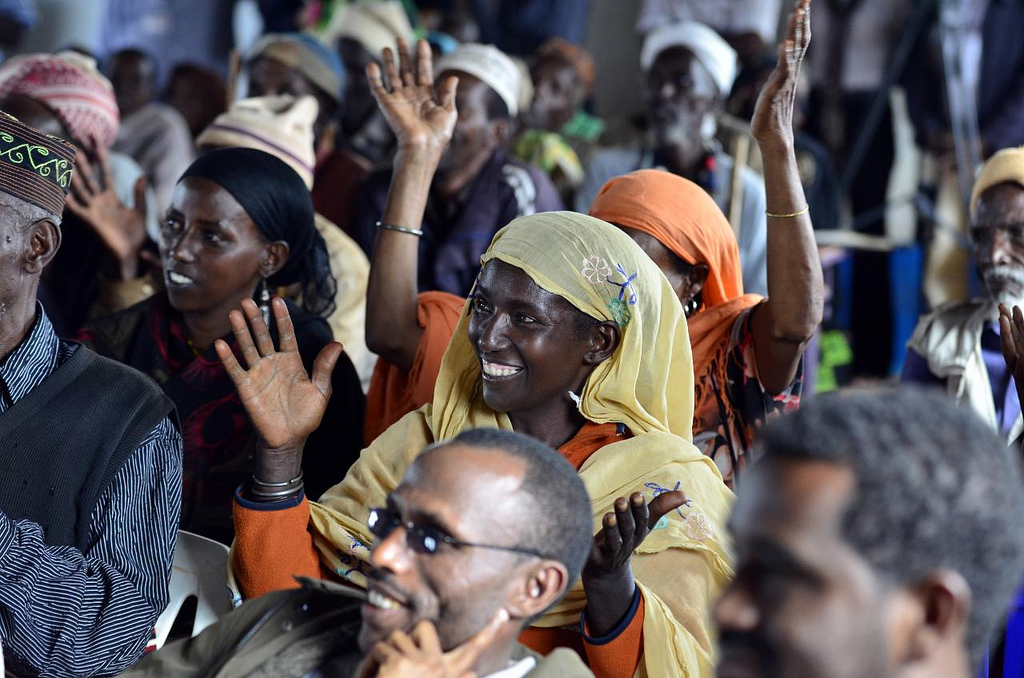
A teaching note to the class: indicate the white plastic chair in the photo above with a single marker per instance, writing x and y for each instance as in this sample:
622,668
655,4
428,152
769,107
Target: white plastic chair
200,572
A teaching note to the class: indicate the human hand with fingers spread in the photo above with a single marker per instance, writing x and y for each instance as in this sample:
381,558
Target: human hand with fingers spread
284,403
607,576
420,116
419,654
122,229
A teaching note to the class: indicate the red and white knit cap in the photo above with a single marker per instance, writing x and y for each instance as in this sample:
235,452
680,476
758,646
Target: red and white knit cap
69,84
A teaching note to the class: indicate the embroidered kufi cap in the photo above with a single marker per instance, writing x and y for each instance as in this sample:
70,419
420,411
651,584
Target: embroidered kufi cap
34,167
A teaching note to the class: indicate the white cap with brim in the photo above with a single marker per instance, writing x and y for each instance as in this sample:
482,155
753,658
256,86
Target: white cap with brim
713,52
491,66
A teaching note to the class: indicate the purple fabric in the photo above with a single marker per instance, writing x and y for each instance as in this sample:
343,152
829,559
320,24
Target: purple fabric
1004,392
451,247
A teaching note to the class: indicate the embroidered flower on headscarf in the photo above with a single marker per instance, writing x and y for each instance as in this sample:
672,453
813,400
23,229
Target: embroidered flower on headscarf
698,527
620,312
595,269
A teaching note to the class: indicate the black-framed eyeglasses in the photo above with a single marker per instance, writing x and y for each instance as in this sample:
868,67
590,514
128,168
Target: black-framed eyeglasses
425,539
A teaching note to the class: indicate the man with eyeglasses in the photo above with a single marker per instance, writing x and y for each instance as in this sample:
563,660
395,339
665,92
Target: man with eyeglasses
958,345
484,534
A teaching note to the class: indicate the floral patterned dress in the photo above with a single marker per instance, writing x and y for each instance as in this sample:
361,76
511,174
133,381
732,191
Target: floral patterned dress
735,404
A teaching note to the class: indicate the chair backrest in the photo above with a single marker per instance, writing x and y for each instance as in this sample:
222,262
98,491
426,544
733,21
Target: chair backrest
200,572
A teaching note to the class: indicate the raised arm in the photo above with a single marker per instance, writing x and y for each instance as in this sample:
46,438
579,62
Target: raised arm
423,120
785,323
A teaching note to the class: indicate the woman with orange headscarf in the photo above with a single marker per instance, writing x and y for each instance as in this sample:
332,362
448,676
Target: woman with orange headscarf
747,350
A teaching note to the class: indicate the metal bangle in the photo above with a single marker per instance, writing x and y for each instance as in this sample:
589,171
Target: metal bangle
293,481
805,210
275,495
401,229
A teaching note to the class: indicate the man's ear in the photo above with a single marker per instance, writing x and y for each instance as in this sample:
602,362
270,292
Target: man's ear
945,604
43,239
537,588
604,339
502,131
274,258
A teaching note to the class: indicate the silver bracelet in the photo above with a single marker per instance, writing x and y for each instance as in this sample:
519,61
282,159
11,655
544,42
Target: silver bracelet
401,229
275,491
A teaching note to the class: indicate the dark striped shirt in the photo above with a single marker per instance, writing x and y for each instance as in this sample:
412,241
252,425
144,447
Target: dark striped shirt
68,613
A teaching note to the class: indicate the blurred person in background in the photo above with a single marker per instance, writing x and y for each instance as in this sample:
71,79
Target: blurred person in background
297,64
111,214
359,32
959,345
198,94
690,71
749,26
152,132
556,128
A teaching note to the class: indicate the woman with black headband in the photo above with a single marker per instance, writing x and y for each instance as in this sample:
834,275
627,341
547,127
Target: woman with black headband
239,226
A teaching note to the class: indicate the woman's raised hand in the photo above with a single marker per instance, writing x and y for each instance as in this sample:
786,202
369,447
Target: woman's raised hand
773,116
284,404
418,115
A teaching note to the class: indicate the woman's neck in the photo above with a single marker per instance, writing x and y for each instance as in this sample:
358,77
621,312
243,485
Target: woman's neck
202,329
553,425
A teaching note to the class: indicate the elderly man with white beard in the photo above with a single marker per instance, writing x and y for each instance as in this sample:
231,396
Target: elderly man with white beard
958,345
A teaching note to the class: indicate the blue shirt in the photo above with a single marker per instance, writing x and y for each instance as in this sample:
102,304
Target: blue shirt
68,613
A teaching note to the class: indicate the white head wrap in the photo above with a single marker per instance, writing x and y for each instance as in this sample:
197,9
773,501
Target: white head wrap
489,64
713,52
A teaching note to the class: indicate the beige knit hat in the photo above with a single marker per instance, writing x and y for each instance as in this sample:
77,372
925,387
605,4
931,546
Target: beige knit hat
279,125
1006,165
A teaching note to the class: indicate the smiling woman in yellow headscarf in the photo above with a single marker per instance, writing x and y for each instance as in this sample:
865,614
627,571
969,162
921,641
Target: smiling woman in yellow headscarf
632,434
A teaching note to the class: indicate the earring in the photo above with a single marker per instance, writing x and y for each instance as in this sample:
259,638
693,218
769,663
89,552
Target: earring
691,307
265,301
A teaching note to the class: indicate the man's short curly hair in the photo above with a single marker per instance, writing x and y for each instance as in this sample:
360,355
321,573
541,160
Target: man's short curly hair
561,523
935,488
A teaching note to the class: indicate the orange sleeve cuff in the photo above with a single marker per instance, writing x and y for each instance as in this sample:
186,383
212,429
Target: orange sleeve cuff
272,547
620,656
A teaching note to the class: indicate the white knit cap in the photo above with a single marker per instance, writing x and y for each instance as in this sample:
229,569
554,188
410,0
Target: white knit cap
490,65
713,52
280,125
374,25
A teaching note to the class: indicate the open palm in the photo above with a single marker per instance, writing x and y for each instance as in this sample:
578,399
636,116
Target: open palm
418,114
284,404
773,115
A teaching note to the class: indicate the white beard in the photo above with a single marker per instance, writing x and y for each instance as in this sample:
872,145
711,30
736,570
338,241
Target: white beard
996,279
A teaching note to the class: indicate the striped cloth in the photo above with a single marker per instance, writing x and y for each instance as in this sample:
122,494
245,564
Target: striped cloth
68,613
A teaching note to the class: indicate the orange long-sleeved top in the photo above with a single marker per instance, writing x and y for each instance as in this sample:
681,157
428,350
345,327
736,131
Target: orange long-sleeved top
273,545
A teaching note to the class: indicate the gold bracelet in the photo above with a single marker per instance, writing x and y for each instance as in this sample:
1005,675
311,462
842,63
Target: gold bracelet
805,210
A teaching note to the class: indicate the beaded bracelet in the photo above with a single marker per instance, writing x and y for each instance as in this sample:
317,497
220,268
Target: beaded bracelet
401,229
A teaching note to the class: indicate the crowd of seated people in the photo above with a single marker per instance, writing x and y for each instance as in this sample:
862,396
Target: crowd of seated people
331,314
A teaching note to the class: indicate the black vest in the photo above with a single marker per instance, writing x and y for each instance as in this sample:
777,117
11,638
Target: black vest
63,443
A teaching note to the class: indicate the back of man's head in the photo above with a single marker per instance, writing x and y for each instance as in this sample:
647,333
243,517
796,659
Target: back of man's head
555,501
935,488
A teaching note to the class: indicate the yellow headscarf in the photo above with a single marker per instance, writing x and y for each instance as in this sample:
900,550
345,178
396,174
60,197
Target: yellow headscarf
647,385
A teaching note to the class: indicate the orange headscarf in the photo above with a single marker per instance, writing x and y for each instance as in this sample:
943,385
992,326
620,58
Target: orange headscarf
686,220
